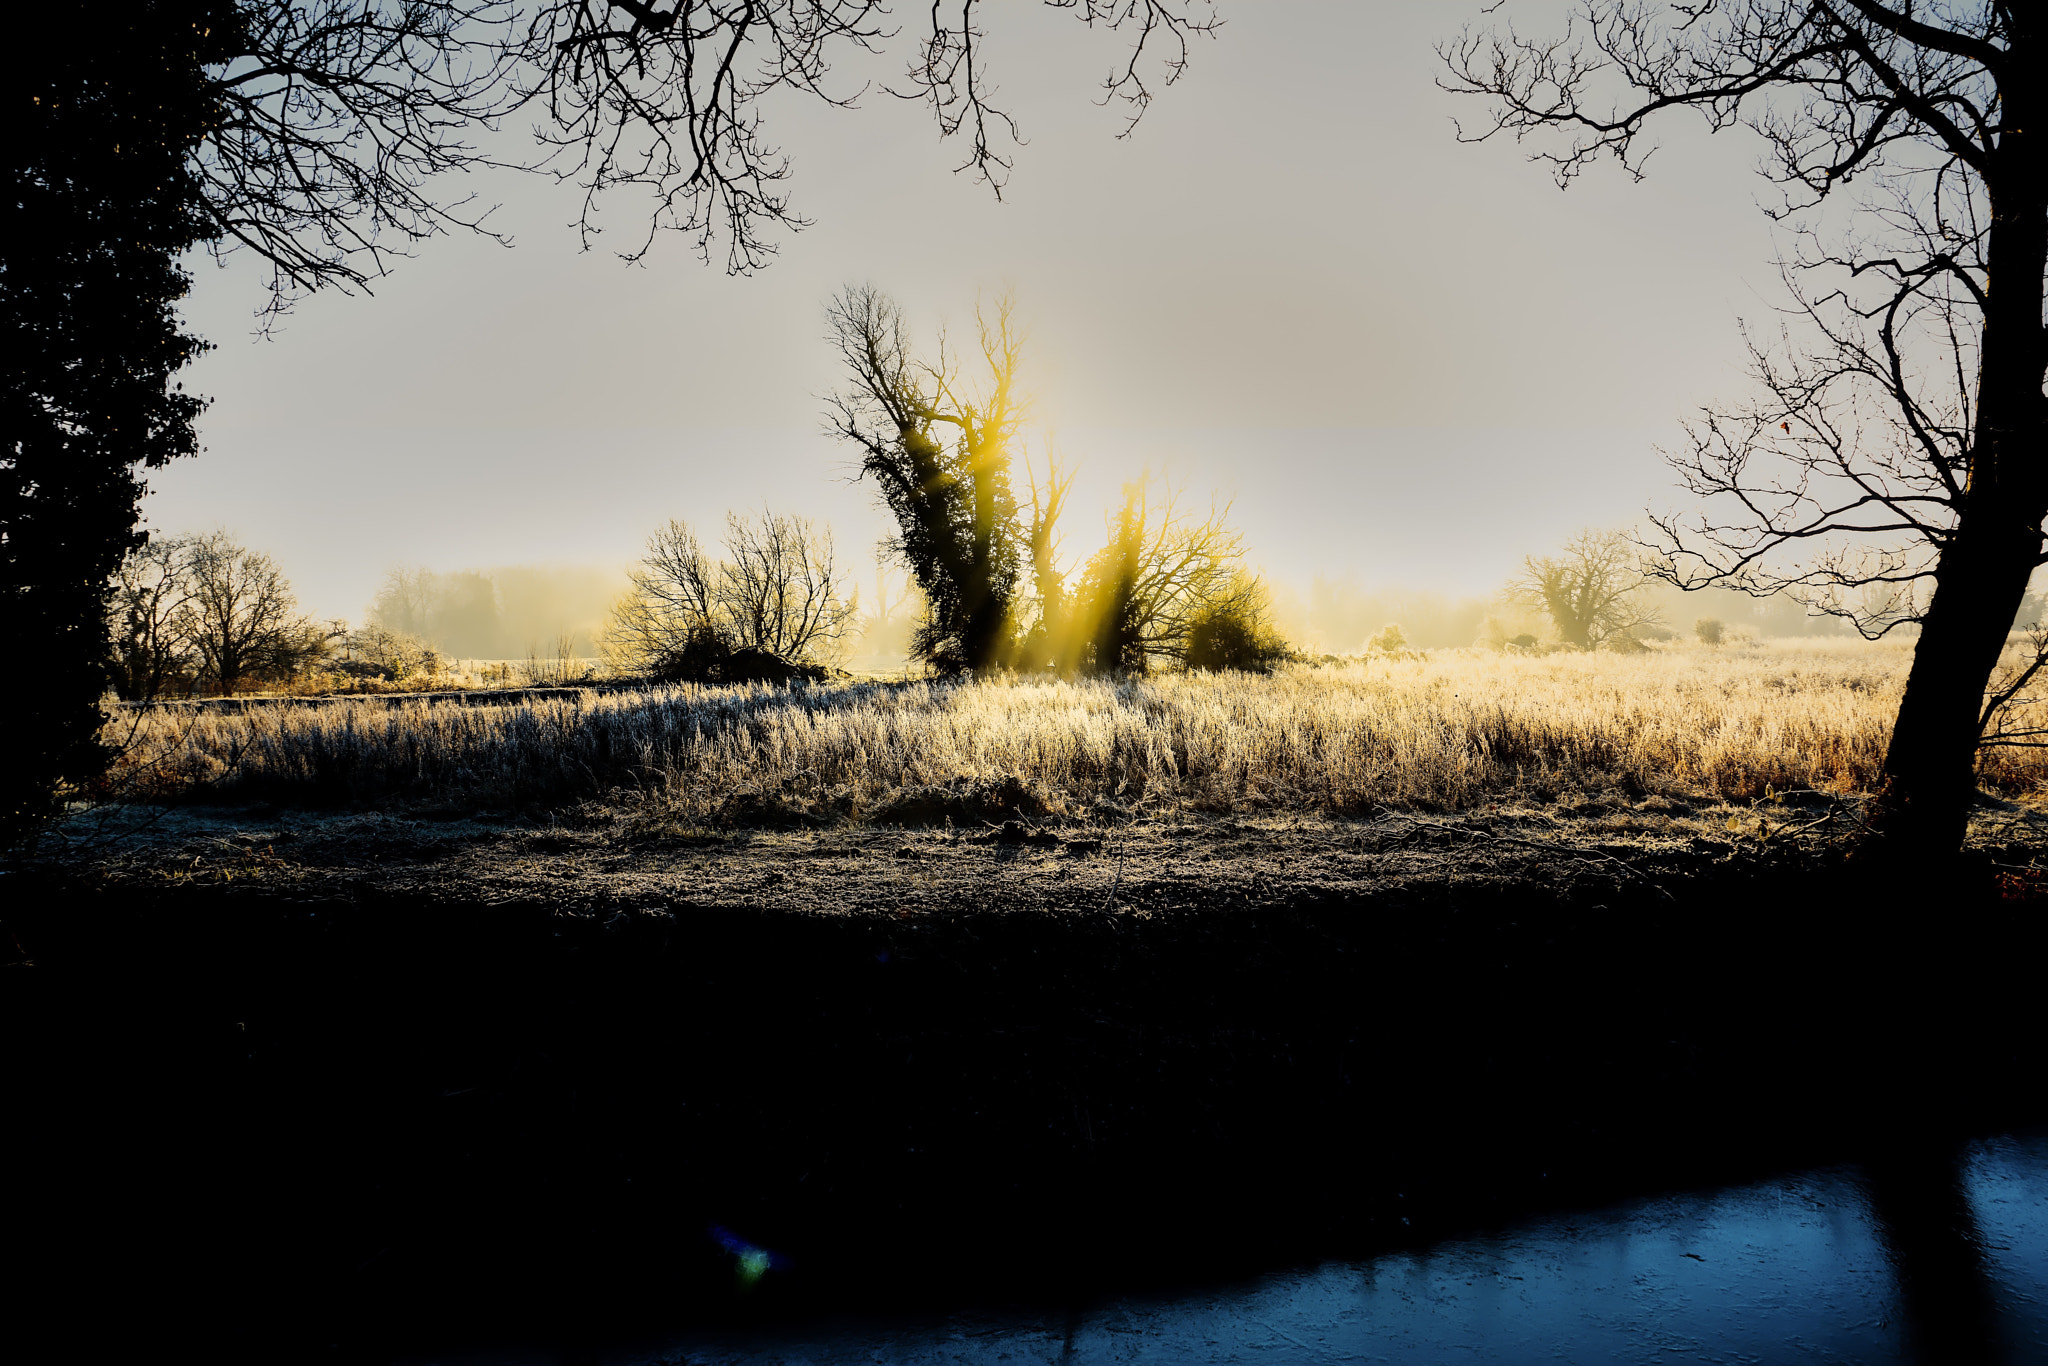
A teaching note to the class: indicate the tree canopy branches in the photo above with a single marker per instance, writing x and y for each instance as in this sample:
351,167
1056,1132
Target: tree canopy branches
949,75
336,114
1833,88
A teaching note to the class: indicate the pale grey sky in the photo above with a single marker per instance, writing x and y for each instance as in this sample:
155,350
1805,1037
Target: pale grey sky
1408,359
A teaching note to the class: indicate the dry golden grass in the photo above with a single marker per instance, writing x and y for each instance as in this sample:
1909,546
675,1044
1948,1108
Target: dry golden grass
1451,730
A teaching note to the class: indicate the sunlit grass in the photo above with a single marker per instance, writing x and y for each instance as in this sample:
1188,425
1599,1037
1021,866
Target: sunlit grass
1449,730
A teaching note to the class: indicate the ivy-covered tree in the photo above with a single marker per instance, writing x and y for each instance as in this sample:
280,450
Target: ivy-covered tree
939,450
101,203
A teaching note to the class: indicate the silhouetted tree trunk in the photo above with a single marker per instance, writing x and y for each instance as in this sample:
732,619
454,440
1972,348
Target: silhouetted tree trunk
1929,780
1934,106
1981,575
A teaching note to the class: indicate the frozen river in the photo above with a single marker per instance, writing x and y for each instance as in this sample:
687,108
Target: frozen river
1936,1260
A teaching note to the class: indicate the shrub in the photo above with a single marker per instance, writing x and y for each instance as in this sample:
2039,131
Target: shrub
707,655
1708,629
1226,640
1390,639
1234,633
376,651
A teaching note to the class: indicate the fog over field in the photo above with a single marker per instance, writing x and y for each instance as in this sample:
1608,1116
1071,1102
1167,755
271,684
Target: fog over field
1411,362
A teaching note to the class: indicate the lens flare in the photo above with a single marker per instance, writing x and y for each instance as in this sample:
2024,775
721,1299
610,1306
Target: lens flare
750,1263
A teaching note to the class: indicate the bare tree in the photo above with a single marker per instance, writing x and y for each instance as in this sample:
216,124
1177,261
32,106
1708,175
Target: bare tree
152,647
1592,589
405,601
1903,449
1042,644
1164,570
242,618
779,593
939,450
668,602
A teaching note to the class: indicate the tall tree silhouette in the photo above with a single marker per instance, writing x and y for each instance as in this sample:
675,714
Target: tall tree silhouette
1918,419
939,451
101,202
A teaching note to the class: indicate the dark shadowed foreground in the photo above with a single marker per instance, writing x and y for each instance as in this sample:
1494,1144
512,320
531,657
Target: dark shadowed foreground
365,1115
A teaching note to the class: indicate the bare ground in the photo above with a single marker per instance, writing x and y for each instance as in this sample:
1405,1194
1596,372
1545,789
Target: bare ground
602,860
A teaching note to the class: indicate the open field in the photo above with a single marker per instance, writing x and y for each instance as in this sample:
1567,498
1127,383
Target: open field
1449,731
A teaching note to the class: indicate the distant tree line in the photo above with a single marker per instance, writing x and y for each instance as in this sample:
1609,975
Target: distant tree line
497,613
1342,616
203,615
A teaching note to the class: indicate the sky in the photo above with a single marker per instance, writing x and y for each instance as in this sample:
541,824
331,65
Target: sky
1408,360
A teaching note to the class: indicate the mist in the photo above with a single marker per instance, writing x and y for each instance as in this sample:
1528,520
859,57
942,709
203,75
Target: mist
507,612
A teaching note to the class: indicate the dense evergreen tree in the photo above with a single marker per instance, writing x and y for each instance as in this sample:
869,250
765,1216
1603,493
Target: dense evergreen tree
101,204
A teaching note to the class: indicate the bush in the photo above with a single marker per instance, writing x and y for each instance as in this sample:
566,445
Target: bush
1233,634
1708,629
708,655
1390,640
375,651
